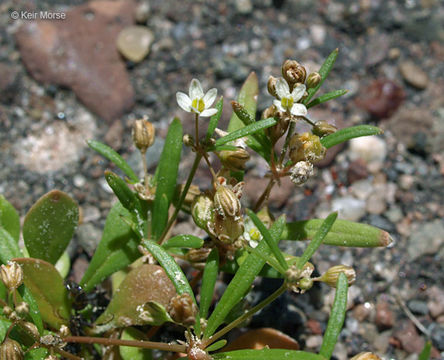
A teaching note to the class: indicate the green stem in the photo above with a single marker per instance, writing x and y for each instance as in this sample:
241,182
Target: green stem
287,141
245,316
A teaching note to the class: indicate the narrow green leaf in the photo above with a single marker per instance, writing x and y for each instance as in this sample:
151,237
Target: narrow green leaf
184,241
267,354
125,195
46,286
9,248
270,261
317,239
242,280
34,311
247,98
351,132
49,225
342,233
336,319
117,248
323,71
327,97
247,130
266,234
134,353
214,120
209,278
114,157
166,175
217,345
425,353
9,218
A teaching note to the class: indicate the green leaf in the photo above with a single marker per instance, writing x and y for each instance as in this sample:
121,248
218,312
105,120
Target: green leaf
270,242
184,241
267,354
125,195
336,319
317,239
132,303
323,71
209,277
9,218
46,286
248,98
49,225
217,345
114,157
425,353
134,353
214,120
326,97
166,175
242,280
345,134
4,326
36,354
342,233
34,311
247,130
117,248
63,265
223,147
9,248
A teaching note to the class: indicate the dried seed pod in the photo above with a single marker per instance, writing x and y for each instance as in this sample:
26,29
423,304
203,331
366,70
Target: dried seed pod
12,275
227,228
323,128
226,202
293,72
271,86
313,80
234,160
31,329
64,331
143,134
188,140
182,309
301,172
332,275
275,132
306,147
198,255
11,350
366,356
202,211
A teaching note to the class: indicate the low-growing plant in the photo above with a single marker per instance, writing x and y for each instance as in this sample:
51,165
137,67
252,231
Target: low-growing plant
44,316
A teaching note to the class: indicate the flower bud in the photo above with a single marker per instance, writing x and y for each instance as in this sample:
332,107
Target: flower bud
301,172
366,356
31,329
234,159
202,211
293,72
22,308
188,140
332,275
306,147
323,128
275,132
226,202
12,275
305,284
182,309
271,86
7,311
11,350
64,331
143,134
313,80
198,255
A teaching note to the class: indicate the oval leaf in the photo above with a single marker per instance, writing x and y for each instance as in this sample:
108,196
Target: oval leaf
49,225
9,248
261,338
145,284
9,218
117,248
46,286
348,133
184,241
267,354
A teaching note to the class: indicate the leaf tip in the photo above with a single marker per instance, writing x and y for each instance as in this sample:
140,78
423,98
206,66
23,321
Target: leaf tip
386,239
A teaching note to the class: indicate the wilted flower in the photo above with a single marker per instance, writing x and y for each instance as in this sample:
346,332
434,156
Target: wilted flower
301,172
197,102
288,100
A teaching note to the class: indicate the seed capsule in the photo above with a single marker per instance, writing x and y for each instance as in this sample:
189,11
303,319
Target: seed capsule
202,211
301,172
234,160
313,80
11,350
366,356
293,72
143,134
271,86
227,229
22,308
332,275
306,147
182,309
226,202
12,275
323,128
31,329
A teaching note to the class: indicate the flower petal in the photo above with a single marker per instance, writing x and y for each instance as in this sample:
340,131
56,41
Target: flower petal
278,104
196,91
183,101
208,112
282,89
298,92
299,110
209,97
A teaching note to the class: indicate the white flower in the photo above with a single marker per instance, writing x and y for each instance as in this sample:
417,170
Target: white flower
197,102
288,100
251,233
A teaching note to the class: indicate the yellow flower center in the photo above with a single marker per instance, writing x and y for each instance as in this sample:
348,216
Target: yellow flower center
287,103
198,104
255,234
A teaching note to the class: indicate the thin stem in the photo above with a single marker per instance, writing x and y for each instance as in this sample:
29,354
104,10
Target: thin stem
264,195
287,141
245,316
119,342
207,160
145,169
182,197
196,128
66,354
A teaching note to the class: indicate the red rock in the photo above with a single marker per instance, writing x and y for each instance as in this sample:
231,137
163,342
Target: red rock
80,53
314,327
357,171
408,337
381,98
384,316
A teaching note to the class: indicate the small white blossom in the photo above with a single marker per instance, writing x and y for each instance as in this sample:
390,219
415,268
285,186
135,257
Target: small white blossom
251,233
197,102
288,100
301,172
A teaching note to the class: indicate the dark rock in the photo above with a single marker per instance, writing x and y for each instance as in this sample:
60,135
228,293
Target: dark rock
418,307
381,98
384,316
438,337
357,170
9,83
80,53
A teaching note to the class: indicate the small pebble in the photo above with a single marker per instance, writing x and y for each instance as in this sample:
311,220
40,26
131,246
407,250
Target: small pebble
384,316
418,307
413,75
349,208
134,42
